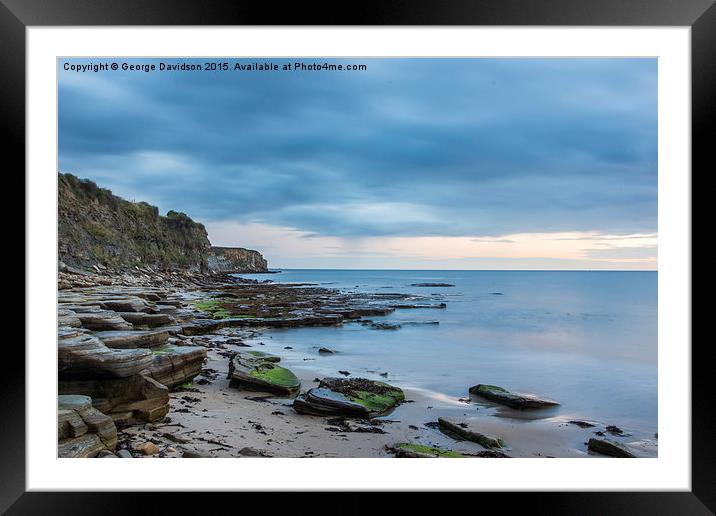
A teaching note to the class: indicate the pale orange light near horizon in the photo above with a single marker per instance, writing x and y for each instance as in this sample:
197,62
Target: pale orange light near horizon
288,247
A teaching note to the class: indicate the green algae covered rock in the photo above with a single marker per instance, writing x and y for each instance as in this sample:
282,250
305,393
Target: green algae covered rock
350,397
259,371
505,397
462,432
421,451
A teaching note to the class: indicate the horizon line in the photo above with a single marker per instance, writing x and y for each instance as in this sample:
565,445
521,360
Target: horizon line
445,270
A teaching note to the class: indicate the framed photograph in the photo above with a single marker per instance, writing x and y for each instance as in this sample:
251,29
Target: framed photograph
300,249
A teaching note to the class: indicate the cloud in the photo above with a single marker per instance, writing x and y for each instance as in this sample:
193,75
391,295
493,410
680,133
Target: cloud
408,148
287,247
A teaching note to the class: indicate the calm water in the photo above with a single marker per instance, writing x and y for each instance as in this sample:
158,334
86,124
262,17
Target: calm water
585,339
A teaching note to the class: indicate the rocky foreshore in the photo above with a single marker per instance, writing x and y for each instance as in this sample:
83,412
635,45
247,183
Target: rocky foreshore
157,363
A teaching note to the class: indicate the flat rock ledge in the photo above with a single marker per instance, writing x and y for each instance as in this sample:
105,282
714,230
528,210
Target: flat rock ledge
176,365
83,356
356,397
124,339
82,430
259,372
609,447
505,397
457,430
133,400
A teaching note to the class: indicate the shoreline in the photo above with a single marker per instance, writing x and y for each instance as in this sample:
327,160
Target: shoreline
210,418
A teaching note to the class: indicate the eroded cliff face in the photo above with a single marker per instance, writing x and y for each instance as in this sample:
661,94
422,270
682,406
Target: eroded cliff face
96,227
236,259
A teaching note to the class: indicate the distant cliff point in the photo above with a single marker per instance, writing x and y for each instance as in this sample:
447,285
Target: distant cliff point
97,228
236,259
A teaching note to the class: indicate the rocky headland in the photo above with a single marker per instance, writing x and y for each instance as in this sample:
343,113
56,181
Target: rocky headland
99,230
236,259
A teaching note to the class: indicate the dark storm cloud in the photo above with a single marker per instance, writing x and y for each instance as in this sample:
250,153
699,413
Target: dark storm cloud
408,147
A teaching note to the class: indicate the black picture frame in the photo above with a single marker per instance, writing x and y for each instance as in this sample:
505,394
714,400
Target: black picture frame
700,15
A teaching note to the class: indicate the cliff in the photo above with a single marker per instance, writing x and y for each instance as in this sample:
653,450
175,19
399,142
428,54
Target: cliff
236,259
96,227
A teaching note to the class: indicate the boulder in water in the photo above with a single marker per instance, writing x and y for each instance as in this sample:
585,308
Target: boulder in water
609,447
505,397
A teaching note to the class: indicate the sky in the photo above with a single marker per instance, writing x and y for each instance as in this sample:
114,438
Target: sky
408,163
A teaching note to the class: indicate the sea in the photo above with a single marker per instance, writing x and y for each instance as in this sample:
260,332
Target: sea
587,339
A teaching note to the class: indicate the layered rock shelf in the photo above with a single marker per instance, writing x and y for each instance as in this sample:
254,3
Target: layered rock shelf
130,400
82,430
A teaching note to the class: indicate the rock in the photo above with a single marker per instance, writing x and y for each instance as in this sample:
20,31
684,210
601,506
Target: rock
133,339
251,452
325,351
188,454
581,424
176,365
236,259
82,430
85,446
85,356
132,304
343,425
453,430
357,397
432,285
384,326
67,317
609,447
415,306
151,296
148,448
202,326
258,371
260,355
420,451
175,438
505,397
345,373
145,319
124,454
106,454
131,400
102,320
